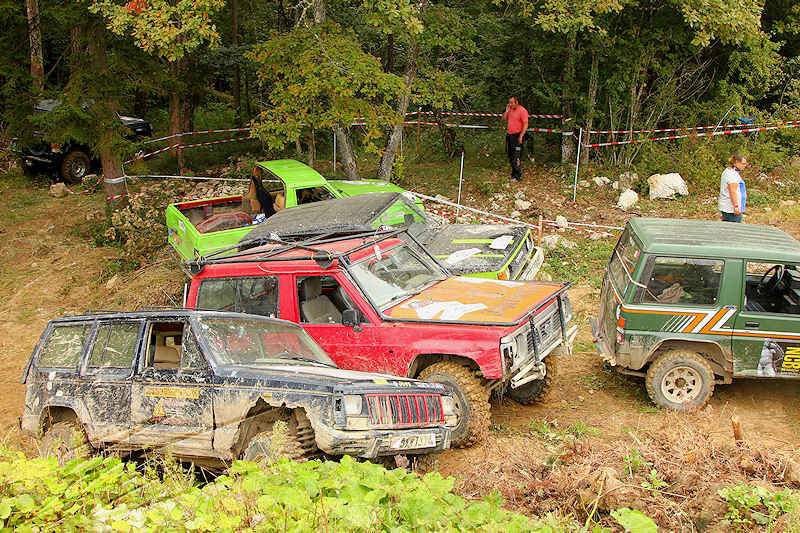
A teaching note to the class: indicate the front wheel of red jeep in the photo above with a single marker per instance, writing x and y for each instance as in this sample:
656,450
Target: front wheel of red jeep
680,380
472,400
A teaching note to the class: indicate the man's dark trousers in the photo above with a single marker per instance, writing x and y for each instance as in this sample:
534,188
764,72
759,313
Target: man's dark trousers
515,151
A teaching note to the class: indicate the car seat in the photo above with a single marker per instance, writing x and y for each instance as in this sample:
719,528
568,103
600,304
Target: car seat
165,356
315,307
280,201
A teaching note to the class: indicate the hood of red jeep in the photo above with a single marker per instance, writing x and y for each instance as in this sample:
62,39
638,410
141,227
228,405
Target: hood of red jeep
477,300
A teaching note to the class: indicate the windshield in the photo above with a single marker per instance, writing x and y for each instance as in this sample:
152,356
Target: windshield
623,261
388,276
254,342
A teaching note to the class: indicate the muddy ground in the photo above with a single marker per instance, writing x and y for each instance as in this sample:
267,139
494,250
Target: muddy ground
48,267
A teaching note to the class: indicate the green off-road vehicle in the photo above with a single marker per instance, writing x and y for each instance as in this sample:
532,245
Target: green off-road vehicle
689,304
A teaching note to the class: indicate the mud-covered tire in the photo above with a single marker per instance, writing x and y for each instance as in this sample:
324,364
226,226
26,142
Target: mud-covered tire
471,395
260,448
537,390
75,166
680,380
65,441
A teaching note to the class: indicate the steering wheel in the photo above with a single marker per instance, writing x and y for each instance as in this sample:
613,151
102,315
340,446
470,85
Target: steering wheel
767,286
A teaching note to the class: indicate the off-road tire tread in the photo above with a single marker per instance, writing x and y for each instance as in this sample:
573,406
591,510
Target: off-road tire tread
291,449
668,358
67,162
475,392
551,364
69,429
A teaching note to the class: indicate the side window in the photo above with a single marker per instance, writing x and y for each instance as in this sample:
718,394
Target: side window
164,344
321,300
64,346
681,280
115,345
771,288
257,295
312,194
191,357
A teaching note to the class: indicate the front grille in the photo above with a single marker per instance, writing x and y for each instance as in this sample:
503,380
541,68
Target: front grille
405,409
545,328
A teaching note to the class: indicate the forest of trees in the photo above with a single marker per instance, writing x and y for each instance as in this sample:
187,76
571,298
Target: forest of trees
291,68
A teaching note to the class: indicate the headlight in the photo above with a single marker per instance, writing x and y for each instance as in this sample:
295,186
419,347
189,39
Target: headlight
352,404
448,405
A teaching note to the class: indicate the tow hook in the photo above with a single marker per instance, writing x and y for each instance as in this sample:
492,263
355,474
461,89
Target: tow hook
530,372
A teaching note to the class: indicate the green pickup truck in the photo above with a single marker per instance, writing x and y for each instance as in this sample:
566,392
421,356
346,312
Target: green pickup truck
688,304
200,227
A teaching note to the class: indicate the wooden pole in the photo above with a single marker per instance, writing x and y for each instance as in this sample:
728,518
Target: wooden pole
738,437
539,236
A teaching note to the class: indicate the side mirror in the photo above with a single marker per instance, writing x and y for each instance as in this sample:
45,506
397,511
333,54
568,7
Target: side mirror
351,317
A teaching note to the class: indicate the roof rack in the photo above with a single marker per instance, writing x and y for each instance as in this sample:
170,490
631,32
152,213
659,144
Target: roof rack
323,257
162,308
102,311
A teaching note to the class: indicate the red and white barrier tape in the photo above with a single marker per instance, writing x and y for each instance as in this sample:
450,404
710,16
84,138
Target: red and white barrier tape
498,221
459,114
696,128
86,191
464,126
185,133
703,134
116,197
179,146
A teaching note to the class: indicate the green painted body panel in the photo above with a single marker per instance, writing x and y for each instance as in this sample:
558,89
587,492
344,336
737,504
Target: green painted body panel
188,242
754,343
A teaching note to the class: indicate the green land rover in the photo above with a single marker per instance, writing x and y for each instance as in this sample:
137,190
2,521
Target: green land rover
689,304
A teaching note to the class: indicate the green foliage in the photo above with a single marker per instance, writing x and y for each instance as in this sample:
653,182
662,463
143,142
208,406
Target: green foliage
634,521
749,505
320,78
654,481
100,493
635,462
163,28
551,432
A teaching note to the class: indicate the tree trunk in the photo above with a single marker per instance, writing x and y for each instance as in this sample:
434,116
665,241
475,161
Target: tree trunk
451,147
35,38
568,144
319,11
594,76
312,148
389,67
113,183
387,161
237,69
344,151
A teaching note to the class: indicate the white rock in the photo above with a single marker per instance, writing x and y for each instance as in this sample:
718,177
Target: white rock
601,181
626,179
522,205
58,190
515,214
768,209
568,244
519,194
583,183
550,241
615,185
787,203
667,185
562,222
112,282
779,183
627,199
794,162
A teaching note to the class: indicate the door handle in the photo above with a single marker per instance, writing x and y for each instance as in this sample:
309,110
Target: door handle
751,324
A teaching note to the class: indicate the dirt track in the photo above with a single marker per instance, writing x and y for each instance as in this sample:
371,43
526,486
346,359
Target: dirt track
47,269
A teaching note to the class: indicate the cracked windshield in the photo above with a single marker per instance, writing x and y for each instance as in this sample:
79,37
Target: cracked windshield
258,342
389,276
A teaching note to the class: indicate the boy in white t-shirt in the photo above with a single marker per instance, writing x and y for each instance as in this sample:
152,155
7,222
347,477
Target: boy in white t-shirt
732,191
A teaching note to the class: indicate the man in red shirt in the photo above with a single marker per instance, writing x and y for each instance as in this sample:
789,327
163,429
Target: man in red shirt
517,118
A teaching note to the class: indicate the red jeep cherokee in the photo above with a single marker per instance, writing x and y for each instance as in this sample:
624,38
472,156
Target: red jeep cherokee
376,302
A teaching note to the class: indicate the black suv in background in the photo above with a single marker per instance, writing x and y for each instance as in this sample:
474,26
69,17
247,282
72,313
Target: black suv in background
211,387
70,161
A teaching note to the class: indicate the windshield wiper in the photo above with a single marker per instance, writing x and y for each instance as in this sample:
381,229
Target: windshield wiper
295,357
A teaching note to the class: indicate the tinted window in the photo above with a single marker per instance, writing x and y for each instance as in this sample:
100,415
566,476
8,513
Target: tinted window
64,346
257,296
680,280
114,345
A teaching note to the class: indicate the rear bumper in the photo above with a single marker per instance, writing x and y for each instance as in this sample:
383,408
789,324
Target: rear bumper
603,348
374,443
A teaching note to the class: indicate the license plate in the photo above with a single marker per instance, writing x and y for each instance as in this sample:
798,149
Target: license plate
412,442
